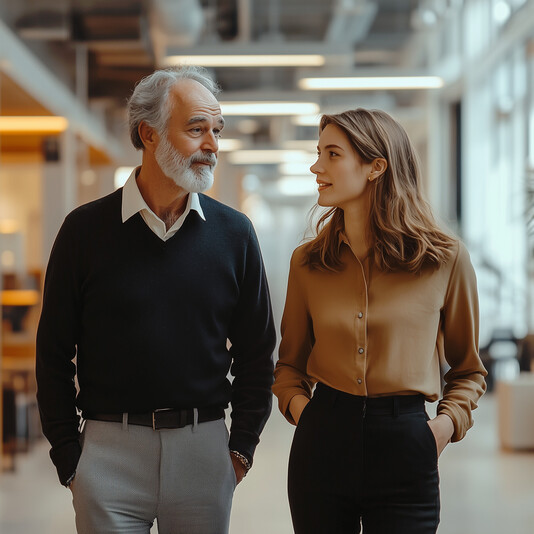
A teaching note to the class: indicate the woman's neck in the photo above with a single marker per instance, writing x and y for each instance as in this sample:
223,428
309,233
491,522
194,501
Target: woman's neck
356,220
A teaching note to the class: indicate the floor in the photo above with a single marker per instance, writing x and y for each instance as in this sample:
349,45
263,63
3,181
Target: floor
484,489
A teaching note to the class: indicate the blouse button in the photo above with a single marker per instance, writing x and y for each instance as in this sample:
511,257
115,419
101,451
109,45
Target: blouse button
359,380
360,350
360,315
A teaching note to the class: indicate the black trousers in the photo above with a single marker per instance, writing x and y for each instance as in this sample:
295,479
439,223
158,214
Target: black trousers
358,461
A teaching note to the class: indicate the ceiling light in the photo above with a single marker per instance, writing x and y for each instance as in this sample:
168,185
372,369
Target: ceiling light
501,11
270,157
227,145
307,120
297,185
8,226
269,108
249,60
296,168
310,145
372,83
29,125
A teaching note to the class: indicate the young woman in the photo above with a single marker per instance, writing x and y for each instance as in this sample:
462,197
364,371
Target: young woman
376,303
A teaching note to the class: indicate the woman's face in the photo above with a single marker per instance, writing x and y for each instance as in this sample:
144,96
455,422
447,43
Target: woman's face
342,176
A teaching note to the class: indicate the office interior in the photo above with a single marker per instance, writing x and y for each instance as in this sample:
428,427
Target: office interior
458,75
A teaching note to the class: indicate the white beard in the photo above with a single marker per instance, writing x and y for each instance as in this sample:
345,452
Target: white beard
179,169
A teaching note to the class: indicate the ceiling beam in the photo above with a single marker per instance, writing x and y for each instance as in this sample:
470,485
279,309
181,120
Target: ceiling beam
40,83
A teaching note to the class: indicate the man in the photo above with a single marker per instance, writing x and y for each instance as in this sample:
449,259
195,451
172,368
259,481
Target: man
145,287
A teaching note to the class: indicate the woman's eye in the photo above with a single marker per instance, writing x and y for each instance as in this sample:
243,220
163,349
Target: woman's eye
333,153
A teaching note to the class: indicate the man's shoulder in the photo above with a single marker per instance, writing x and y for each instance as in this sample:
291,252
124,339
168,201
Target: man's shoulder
222,213
99,209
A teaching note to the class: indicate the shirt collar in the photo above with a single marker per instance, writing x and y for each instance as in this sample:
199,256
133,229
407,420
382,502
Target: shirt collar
133,202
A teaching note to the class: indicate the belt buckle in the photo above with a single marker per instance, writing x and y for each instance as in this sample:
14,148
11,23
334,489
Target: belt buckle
154,423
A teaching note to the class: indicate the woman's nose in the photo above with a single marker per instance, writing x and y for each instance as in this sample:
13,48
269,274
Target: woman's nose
316,168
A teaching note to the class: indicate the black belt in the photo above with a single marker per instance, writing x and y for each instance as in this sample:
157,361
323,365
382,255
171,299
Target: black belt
164,418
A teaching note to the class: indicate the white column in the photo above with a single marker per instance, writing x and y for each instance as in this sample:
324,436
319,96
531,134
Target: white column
60,184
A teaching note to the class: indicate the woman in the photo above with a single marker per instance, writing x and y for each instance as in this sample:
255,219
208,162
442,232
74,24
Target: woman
374,303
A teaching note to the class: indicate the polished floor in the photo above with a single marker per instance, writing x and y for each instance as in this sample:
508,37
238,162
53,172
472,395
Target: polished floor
484,489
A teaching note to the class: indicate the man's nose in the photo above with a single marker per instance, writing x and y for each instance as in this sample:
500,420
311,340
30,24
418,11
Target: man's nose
211,143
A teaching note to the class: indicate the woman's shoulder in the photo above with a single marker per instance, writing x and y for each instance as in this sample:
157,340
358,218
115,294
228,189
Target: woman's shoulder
300,256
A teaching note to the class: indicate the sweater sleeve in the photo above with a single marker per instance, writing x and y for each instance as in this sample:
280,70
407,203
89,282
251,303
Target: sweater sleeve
465,382
253,338
57,336
297,341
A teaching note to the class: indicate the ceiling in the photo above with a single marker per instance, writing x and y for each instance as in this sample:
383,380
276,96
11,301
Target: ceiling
100,49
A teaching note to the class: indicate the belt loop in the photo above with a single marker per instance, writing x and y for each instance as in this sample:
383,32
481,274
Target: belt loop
395,407
125,421
195,419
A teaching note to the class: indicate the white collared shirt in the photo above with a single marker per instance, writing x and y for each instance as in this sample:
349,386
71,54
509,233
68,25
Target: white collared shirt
133,202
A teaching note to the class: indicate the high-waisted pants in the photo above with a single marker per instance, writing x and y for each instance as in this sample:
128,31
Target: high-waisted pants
359,461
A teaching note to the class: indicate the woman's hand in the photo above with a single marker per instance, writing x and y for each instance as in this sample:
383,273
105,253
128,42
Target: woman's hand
297,405
443,428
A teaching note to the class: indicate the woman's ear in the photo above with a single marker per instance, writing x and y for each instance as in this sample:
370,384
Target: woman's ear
148,136
378,168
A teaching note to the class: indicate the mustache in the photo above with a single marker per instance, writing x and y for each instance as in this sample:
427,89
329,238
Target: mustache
209,159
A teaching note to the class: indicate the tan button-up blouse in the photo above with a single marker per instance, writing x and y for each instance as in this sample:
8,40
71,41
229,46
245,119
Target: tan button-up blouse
374,333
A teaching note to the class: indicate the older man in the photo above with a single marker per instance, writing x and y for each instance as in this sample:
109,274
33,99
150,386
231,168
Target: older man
145,287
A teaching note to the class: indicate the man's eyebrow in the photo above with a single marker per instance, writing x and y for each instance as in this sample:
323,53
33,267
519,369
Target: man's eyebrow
202,118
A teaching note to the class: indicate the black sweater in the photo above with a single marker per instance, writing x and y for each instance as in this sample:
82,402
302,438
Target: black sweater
149,321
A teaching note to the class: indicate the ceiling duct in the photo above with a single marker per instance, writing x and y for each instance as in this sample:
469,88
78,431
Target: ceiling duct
50,22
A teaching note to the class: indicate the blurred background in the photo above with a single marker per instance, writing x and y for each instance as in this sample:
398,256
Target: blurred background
458,74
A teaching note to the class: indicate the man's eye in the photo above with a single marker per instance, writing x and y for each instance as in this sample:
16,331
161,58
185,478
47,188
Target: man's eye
217,133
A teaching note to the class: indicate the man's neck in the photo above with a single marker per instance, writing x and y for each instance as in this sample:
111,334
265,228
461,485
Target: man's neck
164,197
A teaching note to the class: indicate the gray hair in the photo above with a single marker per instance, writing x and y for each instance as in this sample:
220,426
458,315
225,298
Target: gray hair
149,102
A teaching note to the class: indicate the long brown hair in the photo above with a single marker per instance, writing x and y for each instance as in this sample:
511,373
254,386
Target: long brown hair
404,232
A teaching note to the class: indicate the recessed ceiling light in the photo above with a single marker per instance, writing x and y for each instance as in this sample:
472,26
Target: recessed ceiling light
248,60
270,157
268,108
26,125
369,83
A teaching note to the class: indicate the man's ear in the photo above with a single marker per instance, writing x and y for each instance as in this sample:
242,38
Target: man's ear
148,136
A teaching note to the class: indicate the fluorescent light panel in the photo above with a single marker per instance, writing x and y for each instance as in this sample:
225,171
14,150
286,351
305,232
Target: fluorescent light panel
226,145
249,60
307,120
297,168
372,83
297,185
270,157
28,125
269,108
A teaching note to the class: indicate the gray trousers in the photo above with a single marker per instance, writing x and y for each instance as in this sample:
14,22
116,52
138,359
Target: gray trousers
130,475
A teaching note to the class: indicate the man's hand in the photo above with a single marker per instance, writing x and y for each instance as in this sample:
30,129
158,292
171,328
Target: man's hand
297,405
443,428
239,469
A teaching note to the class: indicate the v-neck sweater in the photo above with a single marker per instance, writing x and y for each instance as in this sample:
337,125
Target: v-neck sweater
149,322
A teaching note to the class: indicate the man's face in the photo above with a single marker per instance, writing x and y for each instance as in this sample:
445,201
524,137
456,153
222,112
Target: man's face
187,151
